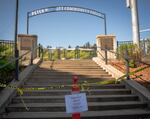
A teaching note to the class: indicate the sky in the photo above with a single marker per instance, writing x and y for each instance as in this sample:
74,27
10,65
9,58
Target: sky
61,29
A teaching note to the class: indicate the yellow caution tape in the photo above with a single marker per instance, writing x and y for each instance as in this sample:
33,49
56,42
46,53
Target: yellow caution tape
83,86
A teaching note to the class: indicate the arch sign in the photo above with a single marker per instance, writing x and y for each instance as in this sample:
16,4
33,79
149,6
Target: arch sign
65,9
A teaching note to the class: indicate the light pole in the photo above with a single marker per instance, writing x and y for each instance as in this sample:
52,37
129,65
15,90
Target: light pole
132,4
16,47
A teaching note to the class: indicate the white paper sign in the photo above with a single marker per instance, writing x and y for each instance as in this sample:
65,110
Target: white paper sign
76,103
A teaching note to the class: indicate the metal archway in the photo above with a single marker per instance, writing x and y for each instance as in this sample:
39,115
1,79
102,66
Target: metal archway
66,9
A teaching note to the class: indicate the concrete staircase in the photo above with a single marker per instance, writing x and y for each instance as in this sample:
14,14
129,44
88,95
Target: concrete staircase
112,101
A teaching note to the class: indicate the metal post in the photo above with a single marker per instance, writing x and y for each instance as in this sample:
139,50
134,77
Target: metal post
48,54
31,56
75,53
58,54
91,54
78,54
27,22
117,50
42,50
64,53
144,47
105,25
127,65
106,58
51,55
39,50
16,47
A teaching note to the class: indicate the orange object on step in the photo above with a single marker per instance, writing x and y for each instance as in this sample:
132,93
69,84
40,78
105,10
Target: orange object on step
75,90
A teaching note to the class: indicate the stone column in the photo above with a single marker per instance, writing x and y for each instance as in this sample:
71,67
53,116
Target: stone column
108,42
27,43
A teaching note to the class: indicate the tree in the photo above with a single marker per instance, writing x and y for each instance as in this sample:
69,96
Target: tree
87,45
49,46
69,46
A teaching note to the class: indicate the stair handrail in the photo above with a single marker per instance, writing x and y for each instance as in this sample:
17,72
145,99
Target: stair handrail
125,57
14,59
20,57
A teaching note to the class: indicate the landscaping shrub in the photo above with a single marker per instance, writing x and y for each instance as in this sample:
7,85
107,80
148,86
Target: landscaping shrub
6,73
85,55
69,54
134,54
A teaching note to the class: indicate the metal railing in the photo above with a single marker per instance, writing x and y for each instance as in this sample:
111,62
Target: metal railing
24,60
6,48
125,56
144,45
123,42
70,53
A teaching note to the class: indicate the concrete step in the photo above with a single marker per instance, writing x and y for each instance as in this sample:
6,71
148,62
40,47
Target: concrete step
58,72
74,61
111,101
70,64
71,67
75,66
69,61
55,73
68,70
90,98
68,76
68,79
71,70
67,92
110,86
108,114
92,106
60,82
